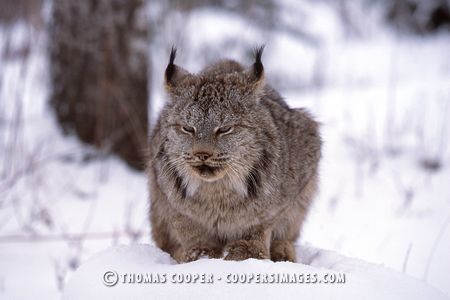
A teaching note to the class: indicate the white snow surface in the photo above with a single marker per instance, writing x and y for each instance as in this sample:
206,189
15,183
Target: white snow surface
238,280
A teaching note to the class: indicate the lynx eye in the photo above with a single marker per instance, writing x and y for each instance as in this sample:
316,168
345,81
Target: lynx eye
188,129
224,130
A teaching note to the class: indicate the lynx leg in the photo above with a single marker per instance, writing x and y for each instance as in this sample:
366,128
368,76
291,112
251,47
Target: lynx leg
282,250
194,241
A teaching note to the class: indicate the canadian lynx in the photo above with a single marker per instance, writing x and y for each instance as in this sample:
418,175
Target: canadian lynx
232,169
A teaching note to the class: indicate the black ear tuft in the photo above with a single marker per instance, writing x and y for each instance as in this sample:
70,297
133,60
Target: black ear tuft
171,68
258,67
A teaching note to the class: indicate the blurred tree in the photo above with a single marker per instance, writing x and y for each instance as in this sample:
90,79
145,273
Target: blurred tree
419,16
99,74
29,10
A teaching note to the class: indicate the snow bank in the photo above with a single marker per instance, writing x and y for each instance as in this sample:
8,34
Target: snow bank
362,280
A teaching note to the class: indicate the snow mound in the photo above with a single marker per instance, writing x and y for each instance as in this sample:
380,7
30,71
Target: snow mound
146,272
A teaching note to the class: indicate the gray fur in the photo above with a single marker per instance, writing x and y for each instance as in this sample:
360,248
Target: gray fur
253,203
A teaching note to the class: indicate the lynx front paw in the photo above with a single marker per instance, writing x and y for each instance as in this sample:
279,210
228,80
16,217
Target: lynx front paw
242,249
195,253
282,251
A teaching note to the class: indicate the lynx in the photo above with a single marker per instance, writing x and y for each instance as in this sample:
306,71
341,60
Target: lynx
232,169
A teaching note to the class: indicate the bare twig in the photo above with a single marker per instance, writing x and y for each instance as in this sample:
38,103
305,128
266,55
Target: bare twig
405,261
434,247
100,235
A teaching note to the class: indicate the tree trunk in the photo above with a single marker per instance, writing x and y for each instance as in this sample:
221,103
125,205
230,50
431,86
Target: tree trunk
99,68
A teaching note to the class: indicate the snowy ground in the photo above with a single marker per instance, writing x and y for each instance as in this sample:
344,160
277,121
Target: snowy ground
145,272
384,103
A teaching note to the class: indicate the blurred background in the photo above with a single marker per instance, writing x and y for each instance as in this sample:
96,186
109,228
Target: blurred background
81,83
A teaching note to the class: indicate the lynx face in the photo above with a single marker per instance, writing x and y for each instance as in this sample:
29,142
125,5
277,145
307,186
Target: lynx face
212,124
211,135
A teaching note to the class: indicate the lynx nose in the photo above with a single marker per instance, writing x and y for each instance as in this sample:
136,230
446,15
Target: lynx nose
202,155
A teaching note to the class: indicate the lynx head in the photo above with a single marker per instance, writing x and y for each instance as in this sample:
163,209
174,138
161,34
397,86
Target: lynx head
214,123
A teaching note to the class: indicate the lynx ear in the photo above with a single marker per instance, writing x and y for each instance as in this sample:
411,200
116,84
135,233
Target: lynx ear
258,68
256,71
173,72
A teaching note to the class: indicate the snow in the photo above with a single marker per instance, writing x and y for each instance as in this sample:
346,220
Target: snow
250,279
384,104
